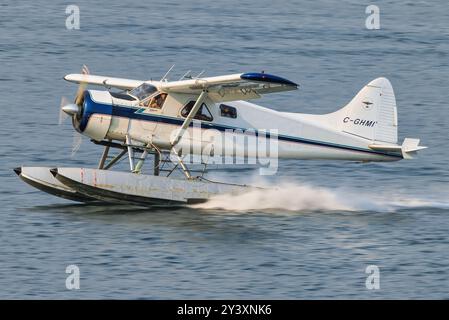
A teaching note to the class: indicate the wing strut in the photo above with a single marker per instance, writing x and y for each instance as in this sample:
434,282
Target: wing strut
184,127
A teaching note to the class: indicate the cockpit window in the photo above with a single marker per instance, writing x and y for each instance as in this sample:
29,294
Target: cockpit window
203,112
143,91
155,102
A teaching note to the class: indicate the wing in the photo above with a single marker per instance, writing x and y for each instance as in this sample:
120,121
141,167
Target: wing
242,86
119,83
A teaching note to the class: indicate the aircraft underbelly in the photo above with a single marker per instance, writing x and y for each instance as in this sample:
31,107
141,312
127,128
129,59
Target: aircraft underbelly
304,151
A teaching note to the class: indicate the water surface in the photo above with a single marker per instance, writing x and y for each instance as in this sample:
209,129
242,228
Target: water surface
392,215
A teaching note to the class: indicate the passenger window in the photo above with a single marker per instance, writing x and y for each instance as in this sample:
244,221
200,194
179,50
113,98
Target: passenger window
156,102
203,112
228,111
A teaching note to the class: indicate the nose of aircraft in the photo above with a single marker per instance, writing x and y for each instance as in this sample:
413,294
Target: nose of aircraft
71,109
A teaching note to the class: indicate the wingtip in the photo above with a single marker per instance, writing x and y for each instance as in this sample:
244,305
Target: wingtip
18,170
72,77
265,77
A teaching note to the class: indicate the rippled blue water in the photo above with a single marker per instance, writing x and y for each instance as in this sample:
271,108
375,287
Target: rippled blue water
401,224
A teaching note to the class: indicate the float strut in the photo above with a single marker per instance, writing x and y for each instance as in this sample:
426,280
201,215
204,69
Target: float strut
157,162
117,158
103,157
130,152
139,164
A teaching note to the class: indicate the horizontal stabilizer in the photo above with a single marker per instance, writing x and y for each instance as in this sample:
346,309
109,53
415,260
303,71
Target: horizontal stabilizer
408,149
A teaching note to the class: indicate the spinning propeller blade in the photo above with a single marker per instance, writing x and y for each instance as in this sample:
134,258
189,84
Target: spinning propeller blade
67,109
77,140
82,86
63,115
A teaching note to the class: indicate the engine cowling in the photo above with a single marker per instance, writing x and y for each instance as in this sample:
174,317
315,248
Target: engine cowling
95,117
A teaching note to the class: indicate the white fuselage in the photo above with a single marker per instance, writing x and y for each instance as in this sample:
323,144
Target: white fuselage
299,136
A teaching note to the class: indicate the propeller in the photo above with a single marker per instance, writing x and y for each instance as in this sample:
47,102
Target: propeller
68,109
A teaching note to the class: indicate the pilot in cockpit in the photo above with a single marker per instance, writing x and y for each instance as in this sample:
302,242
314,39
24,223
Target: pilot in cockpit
158,101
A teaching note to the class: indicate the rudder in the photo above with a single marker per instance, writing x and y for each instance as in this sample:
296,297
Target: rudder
372,113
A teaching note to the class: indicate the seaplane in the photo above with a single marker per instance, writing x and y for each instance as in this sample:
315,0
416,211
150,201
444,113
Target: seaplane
210,118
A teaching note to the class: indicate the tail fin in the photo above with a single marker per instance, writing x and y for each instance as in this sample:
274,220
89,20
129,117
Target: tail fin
372,114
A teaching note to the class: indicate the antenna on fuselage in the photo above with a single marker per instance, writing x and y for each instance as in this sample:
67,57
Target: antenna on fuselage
166,74
200,74
186,75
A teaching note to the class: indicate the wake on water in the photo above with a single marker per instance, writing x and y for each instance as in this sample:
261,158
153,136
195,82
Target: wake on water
303,197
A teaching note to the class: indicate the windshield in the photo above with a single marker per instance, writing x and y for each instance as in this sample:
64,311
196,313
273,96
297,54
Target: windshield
143,91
